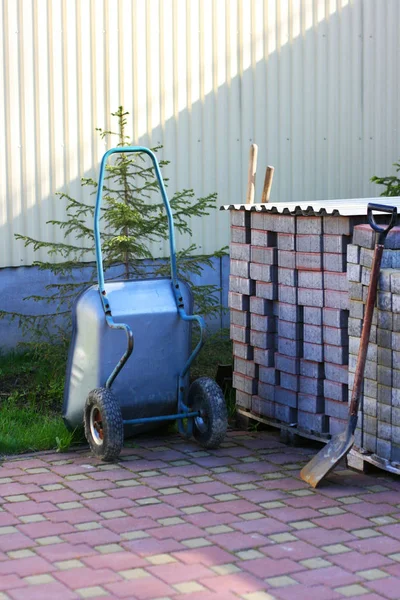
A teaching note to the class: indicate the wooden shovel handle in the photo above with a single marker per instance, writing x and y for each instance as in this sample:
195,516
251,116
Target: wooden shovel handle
251,179
269,175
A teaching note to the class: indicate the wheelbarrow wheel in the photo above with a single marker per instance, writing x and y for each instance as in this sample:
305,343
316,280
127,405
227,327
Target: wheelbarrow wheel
209,428
104,427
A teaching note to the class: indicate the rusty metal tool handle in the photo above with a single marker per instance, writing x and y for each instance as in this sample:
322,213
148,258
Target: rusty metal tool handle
251,178
370,304
269,175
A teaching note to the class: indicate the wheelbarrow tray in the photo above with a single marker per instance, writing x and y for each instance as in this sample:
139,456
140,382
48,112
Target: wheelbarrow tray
147,385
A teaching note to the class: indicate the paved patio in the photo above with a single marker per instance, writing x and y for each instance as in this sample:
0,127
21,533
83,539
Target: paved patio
172,521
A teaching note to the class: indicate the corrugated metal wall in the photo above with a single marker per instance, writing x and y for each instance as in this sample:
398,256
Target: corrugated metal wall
315,83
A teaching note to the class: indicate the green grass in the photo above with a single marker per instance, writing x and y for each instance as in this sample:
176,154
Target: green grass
31,394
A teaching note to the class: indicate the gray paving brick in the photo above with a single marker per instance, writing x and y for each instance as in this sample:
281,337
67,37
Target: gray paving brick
286,241
335,391
384,301
395,416
370,406
241,285
311,385
289,382
355,291
312,315
287,276
290,330
366,257
354,273
335,336
352,366
240,218
334,299
336,354
309,243
336,409
290,312
383,449
259,237
336,281
369,442
354,345
289,347
356,309
240,235
312,334
371,369
245,367
384,430
309,225
238,301
395,282
243,400
240,251
333,317
395,341
265,324
385,357
384,338
314,352
258,220
384,280
288,364
266,391
264,255
337,426
395,455
396,303
335,262
396,322
262,407
260,306
336,243
318,423
310,368
285,397
240,334
243,350
244,384
355,327
384,375
286,414
396,434
384,394
268,291
396,397
309,261
370,388
260,339
307,297
338,373
264,356
284,223
364,235
311,280
240,317
268,375
365,276
287,294
340,225
370,425
265,273
286,259
310,403
384,413
393,239
353,254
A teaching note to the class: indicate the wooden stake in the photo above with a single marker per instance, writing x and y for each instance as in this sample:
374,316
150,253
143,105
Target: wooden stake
251,180
269,175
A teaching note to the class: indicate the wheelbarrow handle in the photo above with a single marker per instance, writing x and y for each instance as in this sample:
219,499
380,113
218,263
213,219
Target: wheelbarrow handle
383,231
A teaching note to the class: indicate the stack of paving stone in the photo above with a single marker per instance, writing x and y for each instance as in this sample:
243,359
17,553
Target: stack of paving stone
289,316
378,430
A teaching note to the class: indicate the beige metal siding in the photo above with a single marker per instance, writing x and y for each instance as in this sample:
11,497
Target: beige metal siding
315,83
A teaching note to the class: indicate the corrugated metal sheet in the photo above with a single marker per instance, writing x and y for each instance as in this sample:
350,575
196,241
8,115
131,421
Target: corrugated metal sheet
344,208
315,83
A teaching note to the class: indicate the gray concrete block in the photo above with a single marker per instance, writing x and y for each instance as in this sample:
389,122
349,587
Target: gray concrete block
355,291
384,431
370,425
366,257
258,220
395,282
395,416
385,320
287,276
309,261
333,317
384,280
311,280
335,336
340,225
315,423
284,223
369,406
395,434
244,383
355,327
309,225
364,235
310,368
260,306
395,342
243,400
384,338
396,322
384,413
365,276
396,397
395,455
369,442
290,330
266,391
385,357
312,334
265,273
336,391
335,262
285,397
240,334
356,309
384,394
287,294
287,364
243,350
260,339
337,373
262,407
286,259
312,315
336,409
334,299
264,357
286,414
265,324
395,263
289,347
353,254
336,244
311,385
314,352
263,255
239,251
260,237
310,403
309,243
370,388
238,301
245,367
384,301
307,297
371,370
240,218
268,291
393,239
268,375
395,359
286,241
352,366
289,382
241,285
383,449
336,354
396,303
290,312
336,281
354,273
240,317
240,235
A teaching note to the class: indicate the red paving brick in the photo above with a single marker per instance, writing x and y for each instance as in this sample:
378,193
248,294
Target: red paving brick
217,549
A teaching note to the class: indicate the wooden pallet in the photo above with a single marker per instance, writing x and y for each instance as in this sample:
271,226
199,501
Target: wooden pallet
363,462
289,434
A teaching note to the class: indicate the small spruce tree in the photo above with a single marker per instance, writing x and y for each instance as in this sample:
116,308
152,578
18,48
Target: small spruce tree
132,218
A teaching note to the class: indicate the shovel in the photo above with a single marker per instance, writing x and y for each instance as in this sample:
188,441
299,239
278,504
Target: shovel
340,445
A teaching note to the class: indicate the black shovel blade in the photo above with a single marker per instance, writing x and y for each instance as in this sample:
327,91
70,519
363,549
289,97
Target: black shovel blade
329,456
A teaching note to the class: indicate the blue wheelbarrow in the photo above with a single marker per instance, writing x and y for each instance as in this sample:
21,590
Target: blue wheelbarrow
131,351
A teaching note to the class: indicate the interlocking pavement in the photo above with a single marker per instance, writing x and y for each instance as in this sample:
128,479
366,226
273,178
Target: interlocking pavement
172,521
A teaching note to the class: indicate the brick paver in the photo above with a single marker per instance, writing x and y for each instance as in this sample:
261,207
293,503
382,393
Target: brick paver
173,521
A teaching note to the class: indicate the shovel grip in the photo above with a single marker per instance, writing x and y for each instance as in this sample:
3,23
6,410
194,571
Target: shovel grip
383,231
